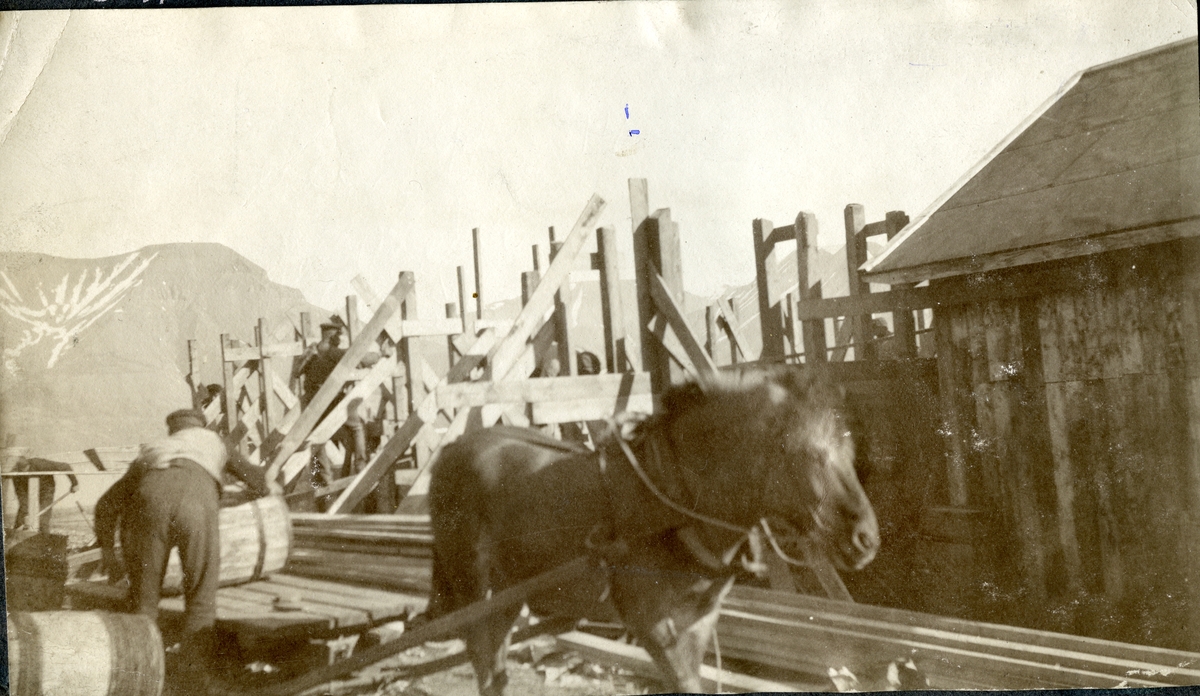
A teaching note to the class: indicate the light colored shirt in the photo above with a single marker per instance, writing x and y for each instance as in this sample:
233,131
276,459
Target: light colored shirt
200,445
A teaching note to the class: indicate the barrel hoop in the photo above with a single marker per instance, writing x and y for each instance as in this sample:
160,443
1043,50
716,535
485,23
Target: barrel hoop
262,540
29,668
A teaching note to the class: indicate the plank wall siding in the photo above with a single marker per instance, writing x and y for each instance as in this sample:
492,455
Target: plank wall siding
1074,425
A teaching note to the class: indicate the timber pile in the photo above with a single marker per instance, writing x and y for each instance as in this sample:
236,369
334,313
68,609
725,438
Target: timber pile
797,633
813,634
386,551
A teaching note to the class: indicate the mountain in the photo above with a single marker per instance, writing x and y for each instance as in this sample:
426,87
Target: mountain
95,350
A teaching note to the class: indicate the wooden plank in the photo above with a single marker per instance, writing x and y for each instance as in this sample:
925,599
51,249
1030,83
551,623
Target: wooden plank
670,310
342,617
856,255
611,310
396,446
414,499
639,210
270,350
281,390
770,285
732,323
380,462
310,416
505,354
1040,651
669,343
562,325
582,410
638,661
228,373
366,594
603,386
476,256
371,300
446,625
364,609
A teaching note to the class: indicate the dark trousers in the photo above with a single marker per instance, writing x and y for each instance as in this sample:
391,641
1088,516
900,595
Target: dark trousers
176,507
45,497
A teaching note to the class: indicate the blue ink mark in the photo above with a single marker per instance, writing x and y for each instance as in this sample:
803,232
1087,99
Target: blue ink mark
634,132
627,112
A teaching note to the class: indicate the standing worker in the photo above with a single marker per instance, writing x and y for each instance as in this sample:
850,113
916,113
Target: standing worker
315,367
170,498
45,491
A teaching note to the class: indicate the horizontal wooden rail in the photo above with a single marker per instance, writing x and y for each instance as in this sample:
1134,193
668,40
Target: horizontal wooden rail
466,394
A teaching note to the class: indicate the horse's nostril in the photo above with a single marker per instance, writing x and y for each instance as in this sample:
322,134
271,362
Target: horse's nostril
865,540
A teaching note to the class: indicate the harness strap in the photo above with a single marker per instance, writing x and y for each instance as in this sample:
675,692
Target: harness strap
698,516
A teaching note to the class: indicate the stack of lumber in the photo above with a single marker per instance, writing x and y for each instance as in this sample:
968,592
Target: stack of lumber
799,634
812,634
387,551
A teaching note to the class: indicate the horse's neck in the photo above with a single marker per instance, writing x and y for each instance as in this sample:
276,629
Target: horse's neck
654,503
716,469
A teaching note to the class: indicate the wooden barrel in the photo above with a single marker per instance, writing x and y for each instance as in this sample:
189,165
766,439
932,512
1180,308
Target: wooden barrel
84,653
256,538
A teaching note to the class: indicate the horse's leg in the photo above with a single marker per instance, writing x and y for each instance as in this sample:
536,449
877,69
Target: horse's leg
675,621
487,643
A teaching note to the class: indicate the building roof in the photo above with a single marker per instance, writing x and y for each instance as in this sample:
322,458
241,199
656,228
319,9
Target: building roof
1111,161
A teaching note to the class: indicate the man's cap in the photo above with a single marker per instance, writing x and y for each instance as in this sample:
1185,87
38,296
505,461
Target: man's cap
335,323
186,418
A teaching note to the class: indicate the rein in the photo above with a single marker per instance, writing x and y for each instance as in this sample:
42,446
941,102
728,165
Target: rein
748,533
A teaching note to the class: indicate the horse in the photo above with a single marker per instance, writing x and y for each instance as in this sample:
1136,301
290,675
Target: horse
674,507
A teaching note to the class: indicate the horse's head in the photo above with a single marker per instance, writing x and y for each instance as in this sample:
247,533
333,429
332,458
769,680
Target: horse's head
772,443
810,483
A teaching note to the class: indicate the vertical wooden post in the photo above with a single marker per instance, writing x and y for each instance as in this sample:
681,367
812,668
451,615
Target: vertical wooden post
656,251
227,371
806,248
405,348
352,324
478,274
639,209
451,313
270,403
953,422
902,321
562,327
468,318
529,281
611,309
770,312
191,377
710,332
296,384
408,306
791,327
34,519
856,255
537,258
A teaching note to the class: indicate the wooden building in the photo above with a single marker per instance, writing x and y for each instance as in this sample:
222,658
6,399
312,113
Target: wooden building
1067,267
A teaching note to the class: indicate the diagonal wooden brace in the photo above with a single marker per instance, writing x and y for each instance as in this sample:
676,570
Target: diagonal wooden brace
333,384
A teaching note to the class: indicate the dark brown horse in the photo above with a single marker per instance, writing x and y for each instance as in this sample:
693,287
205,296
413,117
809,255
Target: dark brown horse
669,511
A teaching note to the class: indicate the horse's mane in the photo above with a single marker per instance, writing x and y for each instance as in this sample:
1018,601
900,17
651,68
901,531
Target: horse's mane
791,388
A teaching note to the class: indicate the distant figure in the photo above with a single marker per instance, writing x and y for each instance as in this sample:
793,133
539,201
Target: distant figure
170,498
315,367
45,490
211,393
587,363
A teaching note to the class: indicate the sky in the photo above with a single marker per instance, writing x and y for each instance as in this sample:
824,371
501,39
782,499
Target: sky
328,142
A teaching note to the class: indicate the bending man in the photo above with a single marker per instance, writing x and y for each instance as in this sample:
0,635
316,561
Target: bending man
170,498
